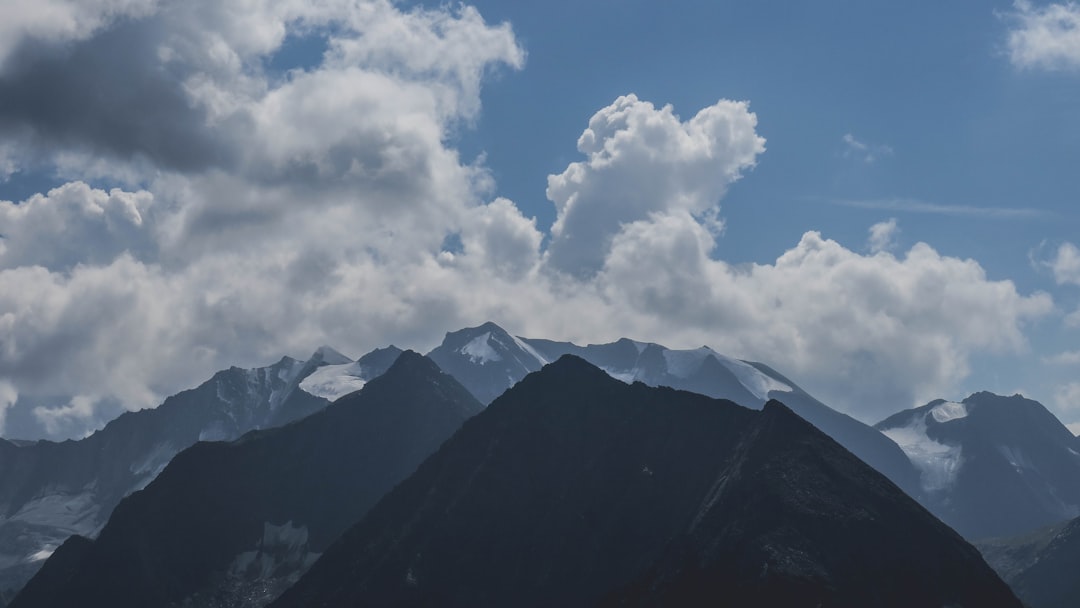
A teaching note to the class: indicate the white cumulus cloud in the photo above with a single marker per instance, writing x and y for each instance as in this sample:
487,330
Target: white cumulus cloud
79,224
1045,37
641,160
866,333
258,214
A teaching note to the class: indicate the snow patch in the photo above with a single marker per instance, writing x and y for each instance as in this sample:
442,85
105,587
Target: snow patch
74,513
532,351
42,555
752,378
334,381
626,377
938,463
683,363
1015,457
478,350
949,411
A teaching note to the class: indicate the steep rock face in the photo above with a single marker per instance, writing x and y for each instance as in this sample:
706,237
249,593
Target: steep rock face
992,466
1040,566
573,489
232,524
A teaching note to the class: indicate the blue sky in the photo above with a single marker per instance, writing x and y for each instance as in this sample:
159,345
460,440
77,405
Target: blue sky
957,124
303,170
957,138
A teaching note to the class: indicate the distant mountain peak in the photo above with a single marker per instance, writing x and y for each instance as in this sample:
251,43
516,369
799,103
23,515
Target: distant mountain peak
410,361
327,355
1033,460
486,359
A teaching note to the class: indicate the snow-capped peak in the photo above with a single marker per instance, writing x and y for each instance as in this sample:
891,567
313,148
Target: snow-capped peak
683,363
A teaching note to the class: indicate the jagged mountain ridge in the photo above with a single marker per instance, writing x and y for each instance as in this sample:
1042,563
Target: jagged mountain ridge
231,524
991,466
574,489
52,490
488,360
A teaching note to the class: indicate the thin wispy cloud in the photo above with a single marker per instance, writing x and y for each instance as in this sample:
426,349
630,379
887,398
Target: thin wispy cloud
916,206
883,236
1071,357
868,153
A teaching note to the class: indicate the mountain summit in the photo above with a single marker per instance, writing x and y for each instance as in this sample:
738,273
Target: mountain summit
486,359
991,465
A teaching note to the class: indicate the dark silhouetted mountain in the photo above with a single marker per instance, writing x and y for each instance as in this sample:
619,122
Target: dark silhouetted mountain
991,466
488,360
232,524
574,489
1040,566
49,491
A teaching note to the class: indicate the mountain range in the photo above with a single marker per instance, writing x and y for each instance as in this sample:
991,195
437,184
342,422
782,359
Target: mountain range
575,489
52,490
988,466
234,523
